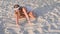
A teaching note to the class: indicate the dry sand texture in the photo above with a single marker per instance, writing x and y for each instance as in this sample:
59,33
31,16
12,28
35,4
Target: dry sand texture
47,21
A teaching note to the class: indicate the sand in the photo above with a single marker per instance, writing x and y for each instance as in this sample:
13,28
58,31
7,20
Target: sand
46,22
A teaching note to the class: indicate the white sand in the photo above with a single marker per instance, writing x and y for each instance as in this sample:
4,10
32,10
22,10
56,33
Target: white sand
47,21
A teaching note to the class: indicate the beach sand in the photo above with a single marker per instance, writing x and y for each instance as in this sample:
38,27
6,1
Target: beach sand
46,22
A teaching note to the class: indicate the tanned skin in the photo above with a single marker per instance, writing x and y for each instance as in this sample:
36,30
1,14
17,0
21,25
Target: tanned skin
22,13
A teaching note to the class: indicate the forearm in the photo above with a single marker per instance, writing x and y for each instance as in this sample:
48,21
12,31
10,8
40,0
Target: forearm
26,14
